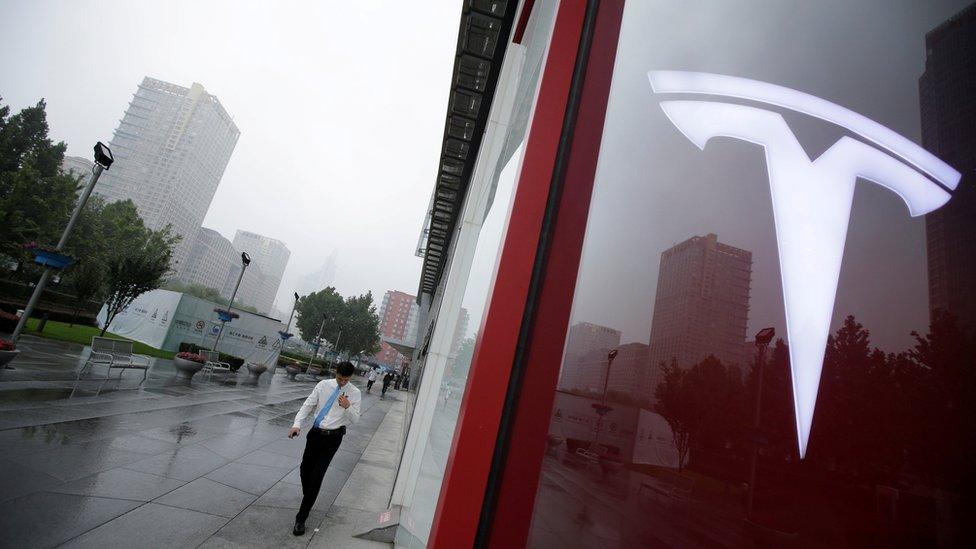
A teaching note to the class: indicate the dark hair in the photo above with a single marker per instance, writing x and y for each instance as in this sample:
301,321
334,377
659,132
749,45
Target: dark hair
345,369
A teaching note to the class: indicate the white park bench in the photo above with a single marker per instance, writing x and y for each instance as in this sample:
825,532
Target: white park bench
117,354
213,363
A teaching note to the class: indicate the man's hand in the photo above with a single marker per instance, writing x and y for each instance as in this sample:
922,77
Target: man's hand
344,401
293,432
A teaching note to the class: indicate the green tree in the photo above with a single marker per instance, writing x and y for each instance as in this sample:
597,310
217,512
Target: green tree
703,406
360,326
355,317
137,268
85,277
36,199
312,307
671,395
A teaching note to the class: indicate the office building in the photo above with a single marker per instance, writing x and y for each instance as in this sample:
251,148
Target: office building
946,91
210,261
701,307
171,148
587,345
269,257
76,166
320,278
398,321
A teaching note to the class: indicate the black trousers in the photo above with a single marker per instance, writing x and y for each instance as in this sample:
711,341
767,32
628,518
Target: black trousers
369,384
319,450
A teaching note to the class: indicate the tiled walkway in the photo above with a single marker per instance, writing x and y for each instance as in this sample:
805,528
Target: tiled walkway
166,465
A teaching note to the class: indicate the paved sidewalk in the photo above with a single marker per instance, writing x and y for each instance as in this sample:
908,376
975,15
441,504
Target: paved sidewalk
165,465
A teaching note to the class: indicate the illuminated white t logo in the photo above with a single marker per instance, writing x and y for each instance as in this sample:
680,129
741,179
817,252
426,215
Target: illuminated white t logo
811,198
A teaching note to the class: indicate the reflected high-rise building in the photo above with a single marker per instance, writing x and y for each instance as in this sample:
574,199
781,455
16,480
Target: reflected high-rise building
701,307
584,341
946,92
398,314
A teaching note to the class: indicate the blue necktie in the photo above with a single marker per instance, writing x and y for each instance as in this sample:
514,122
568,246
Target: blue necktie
326,408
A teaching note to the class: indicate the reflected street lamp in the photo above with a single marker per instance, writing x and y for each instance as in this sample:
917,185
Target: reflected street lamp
602,408
54,259
245,261
763,337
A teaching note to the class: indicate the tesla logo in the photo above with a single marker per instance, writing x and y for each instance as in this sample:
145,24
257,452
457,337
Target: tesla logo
811,197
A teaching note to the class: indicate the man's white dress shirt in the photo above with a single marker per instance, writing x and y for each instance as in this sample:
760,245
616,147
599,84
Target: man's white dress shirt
337,416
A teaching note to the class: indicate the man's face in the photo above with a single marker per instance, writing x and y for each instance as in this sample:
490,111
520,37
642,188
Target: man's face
342,380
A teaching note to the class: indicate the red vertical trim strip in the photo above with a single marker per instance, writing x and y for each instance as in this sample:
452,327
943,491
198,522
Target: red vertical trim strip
520,480
465,478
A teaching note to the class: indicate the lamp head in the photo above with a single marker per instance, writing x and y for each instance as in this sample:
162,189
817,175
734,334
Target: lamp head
764,336
103,155
245,259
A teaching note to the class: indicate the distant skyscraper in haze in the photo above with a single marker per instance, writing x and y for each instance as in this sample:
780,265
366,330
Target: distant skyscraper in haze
269,257
321,278
210,261
946,92
171,149
585,341
77,166
701,307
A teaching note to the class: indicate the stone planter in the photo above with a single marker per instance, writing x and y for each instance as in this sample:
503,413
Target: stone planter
314,371
255,371
292,371
7,356
186,369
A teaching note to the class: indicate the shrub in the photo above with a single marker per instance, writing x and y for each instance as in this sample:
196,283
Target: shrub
235,362
192,357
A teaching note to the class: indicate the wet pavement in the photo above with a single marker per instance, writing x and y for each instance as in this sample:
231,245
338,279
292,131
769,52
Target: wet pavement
126,463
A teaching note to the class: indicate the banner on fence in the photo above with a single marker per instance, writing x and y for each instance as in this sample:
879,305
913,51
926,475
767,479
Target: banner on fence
163,319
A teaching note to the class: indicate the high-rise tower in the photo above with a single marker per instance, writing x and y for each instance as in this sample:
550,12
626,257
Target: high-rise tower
701,307
171,148
946,92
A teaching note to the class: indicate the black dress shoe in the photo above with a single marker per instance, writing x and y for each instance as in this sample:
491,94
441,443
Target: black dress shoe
299,528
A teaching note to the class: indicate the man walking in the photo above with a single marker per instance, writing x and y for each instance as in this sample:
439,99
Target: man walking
335,404
386,383
371,379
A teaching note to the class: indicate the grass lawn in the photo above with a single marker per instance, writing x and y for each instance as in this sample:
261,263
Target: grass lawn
62,331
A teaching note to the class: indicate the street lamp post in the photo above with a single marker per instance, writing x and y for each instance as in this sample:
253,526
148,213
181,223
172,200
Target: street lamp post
292,315
103,160
763,337
335,346
318,338
245,261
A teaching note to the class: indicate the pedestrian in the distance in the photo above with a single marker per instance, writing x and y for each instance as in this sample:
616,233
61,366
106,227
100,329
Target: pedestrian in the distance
387,379
335,404
396,381
371,379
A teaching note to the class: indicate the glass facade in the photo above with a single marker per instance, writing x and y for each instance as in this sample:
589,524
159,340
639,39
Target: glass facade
762,167
459,304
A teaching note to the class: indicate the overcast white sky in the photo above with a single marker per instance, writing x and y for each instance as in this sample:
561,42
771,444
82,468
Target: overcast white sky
341,108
